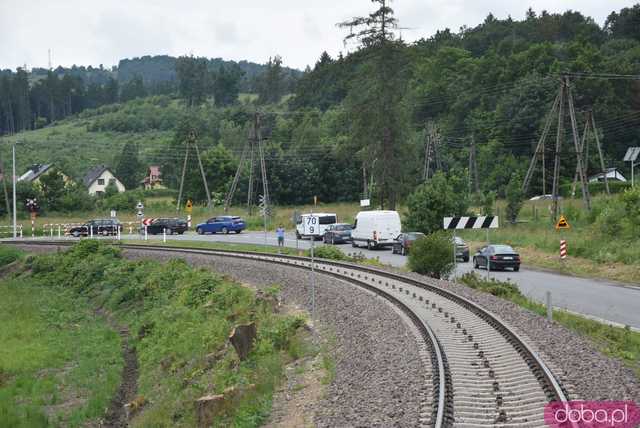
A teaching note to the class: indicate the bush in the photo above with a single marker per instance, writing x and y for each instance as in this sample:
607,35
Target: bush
9,255
502,289
434,200
432,255
329,252
615,187
514,196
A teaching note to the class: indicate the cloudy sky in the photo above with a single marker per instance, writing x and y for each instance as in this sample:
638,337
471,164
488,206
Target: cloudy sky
93,32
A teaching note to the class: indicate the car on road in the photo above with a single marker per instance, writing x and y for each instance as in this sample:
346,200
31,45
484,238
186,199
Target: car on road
105,227
222,224
171,225
377,228
337,233
497,257
462,249
324,221
403,242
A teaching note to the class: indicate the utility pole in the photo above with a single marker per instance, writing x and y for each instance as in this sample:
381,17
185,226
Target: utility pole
254,142
474,183
556,161
15,218
192,140
599,147
579,156
3,172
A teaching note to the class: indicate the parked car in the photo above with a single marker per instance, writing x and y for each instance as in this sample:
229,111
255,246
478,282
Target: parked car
462,249
105,227
403,242
171,225
337,233
497,257
222,224
324,221
376,228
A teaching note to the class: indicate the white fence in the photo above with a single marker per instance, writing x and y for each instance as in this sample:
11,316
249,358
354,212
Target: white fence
7,231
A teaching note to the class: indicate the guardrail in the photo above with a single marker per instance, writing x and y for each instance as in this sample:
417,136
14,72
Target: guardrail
8,230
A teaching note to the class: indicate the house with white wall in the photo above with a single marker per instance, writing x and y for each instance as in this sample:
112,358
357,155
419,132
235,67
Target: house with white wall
98,178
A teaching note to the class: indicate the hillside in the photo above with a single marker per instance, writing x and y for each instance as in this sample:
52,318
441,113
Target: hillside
482,95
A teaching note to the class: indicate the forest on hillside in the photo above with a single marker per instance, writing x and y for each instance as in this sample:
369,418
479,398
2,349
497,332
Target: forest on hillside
358,124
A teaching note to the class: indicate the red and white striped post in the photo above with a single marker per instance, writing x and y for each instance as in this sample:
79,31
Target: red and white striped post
563,249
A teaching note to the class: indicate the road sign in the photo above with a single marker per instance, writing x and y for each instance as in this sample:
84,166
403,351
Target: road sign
148,221
632,154
32,205
562,223
563,249
365,202
310,225
189,206
481,222
113,213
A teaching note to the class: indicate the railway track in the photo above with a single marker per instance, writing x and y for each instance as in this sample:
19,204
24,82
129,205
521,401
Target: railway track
482,373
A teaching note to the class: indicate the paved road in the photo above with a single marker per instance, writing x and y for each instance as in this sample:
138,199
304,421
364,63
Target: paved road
597,298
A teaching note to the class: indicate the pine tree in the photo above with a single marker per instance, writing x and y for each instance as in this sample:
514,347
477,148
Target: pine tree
128,168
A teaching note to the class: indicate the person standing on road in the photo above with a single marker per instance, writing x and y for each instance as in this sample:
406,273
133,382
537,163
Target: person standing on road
280,235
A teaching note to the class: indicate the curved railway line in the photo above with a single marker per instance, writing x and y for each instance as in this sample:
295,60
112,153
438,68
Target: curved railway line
481,372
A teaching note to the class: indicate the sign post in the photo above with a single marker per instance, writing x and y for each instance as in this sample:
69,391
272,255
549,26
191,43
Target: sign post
480,222
33,208
563,250
310,227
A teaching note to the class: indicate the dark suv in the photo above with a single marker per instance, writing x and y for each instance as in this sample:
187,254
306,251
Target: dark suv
171,225
106,227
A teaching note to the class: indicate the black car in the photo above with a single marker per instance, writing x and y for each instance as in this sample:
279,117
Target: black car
171,225
462,249
497,257
337,233
105,227
403,242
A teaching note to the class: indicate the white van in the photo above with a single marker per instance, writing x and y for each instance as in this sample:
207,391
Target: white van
325,220
376,228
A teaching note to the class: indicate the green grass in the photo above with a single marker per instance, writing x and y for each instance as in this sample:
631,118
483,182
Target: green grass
179,318
59,363
617,342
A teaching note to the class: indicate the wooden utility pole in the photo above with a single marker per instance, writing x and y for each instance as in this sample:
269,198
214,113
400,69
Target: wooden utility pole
192,141
579,156
599,147
474,183
556,161
4,186
253,144
590,124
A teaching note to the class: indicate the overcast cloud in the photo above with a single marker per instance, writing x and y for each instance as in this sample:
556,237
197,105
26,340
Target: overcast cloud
91,32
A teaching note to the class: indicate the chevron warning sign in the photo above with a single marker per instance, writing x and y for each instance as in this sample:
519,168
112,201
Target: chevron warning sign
562,223
481,222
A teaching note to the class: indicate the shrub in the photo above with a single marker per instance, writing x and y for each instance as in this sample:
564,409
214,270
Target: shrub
329,252
503,289
432,201
432,255
515,197
9,255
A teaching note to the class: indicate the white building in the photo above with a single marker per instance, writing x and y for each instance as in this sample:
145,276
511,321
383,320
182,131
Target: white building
613,174
98,178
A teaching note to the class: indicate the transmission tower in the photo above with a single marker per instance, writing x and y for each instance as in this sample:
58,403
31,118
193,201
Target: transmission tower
192,141
252,147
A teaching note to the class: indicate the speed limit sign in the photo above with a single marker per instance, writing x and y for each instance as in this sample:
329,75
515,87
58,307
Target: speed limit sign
310,224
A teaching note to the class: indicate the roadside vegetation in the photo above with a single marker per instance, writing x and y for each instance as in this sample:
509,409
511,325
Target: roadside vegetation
618,342
179,319
59,364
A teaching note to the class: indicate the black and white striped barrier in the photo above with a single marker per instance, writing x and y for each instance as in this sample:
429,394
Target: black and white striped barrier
481,222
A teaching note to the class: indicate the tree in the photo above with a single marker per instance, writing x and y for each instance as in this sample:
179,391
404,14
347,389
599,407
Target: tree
514,196
133,89
226,85
53,189
193,79
624,24
432,255
271,85
434,200
375,99
128,167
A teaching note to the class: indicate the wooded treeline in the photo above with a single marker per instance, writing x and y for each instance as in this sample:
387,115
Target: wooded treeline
359,123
